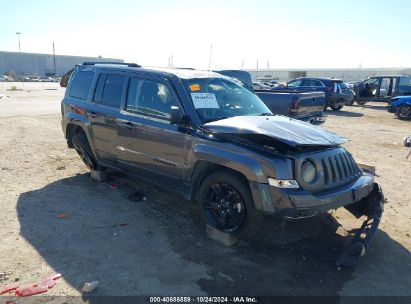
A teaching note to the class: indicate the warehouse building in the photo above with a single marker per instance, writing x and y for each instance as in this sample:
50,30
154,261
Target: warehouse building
283,75
42,64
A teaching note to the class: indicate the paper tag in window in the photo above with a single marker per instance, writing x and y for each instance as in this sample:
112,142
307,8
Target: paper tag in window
204,101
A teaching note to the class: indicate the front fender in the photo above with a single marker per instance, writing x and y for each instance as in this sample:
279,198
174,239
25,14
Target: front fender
240,162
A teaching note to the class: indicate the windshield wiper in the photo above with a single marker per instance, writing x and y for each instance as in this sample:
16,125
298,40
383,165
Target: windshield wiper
215,119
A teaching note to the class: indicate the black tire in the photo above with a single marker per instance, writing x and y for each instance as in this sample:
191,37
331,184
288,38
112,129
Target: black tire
361,102
232,210
403,112
83,149
335,107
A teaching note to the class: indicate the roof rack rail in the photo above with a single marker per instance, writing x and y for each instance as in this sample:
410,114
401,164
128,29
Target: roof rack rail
134,65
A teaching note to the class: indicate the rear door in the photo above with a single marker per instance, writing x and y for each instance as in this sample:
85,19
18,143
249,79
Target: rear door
108,96
146,140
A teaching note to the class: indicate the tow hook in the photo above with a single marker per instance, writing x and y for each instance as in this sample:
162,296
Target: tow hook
373,207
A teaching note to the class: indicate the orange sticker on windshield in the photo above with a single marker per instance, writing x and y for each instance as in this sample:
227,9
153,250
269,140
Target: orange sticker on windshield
194,87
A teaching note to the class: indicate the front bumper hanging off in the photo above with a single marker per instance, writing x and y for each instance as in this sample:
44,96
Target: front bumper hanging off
372,206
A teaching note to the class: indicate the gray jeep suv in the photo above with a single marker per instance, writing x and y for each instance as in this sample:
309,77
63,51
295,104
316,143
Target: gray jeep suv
207,137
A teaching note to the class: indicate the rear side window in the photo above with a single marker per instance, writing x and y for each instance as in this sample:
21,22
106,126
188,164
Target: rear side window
109,89
294,83
80,84
312,83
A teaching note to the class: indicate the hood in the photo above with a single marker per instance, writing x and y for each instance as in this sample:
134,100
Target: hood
289,131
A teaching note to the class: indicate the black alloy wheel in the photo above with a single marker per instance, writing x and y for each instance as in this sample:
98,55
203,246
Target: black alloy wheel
224,207
404,112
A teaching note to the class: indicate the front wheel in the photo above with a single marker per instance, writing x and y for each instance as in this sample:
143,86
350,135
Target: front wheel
403,112
228,205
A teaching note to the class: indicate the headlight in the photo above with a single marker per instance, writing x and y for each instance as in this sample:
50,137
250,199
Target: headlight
308,171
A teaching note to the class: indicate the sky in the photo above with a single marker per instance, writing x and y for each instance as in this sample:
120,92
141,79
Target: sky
276,34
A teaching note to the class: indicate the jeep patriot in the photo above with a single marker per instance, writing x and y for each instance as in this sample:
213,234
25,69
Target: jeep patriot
207,137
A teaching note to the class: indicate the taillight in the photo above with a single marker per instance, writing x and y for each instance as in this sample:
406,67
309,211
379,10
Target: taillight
295,105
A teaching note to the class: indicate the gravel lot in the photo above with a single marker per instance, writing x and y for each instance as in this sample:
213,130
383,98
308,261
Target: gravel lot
158,246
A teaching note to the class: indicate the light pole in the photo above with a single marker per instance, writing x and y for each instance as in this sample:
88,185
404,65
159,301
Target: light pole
18,38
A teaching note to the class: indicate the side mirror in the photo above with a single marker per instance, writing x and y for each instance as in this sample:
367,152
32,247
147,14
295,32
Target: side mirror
176,117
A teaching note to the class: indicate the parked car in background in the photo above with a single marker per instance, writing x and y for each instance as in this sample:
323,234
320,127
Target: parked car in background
337,93
382,88
4,78
260,86
31,79
308,106
303,106
401,106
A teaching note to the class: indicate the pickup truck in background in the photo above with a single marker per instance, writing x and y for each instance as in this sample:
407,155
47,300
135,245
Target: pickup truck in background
382,88
306,106
303,106
337,93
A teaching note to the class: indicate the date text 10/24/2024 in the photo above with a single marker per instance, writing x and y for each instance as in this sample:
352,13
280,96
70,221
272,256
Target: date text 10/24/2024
204,299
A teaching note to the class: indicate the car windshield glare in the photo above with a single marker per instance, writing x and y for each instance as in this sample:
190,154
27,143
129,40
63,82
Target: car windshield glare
219,98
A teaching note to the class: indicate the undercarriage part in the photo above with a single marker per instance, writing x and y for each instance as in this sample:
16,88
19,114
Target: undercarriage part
373,207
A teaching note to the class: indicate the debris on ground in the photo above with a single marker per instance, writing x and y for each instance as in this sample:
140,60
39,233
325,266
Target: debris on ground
32,289
9,288
137,197
407,143
89,286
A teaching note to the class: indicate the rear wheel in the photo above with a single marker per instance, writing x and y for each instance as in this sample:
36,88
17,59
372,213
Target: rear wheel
403,112
361,102
228,205
335,107
83,149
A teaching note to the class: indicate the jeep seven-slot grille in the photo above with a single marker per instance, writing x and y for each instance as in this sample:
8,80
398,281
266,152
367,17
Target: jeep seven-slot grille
339,169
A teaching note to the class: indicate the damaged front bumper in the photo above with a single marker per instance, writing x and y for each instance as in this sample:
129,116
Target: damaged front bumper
364,197
372,206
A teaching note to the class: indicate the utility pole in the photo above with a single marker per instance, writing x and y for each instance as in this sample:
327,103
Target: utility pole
54,61
18,38
257,64
242,64
268,64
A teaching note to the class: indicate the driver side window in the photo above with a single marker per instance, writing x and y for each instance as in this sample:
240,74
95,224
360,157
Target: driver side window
149,97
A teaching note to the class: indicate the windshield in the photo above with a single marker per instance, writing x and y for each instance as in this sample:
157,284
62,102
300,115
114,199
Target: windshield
218,98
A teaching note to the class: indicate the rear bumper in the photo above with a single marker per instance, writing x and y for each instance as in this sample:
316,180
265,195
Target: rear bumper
339,100
315,119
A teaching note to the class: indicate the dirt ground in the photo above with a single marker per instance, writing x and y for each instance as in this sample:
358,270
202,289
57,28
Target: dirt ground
55,219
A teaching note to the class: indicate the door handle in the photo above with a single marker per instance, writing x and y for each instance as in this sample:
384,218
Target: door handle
127,124
92,114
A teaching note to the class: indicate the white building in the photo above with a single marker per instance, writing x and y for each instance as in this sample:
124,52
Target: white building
22,63
344,74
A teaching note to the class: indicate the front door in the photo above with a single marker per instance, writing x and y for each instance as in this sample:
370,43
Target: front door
147,143
368,90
